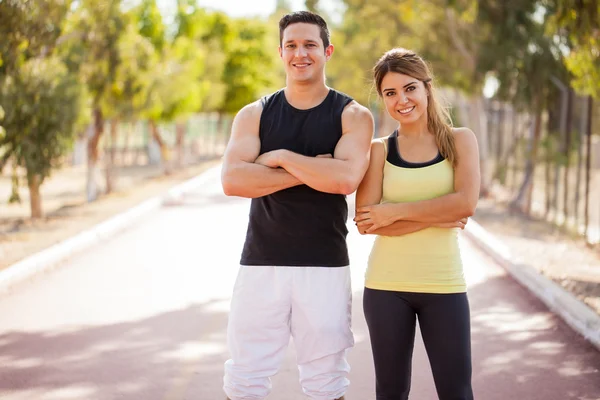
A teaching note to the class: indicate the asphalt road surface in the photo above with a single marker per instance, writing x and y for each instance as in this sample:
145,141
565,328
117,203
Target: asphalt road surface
143,316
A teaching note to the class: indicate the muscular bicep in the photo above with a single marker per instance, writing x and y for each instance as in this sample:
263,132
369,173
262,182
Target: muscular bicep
467,173
370,189
244,142
354,145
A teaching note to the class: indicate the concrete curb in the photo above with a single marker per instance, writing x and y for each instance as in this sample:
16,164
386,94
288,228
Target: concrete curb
47,259
573,311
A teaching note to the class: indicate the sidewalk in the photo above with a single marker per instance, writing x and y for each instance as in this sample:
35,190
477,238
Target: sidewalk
558,269
556,255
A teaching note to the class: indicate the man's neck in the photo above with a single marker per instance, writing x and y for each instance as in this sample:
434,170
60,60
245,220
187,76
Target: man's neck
305,96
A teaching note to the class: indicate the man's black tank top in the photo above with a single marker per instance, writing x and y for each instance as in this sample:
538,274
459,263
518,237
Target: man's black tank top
299,226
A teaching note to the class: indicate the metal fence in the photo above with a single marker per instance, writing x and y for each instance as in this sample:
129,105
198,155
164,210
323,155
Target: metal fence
563,184
202,136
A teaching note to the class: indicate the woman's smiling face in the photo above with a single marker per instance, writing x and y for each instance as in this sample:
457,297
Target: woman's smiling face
405,97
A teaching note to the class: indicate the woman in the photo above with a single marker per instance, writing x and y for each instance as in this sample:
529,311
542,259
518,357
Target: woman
421,185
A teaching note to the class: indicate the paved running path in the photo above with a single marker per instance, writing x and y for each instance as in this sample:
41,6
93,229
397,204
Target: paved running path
143,316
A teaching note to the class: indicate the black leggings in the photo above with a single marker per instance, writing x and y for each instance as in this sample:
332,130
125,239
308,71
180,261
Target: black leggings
444,321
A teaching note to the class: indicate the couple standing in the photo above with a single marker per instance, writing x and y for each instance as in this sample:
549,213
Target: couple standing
297,153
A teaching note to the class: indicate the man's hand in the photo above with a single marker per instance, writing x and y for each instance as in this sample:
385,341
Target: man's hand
273,158
456,224
270,159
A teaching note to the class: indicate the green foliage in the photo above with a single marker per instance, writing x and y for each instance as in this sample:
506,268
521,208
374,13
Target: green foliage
576,23
177,88
248,66
127,95
584,63
28,28
46,103
91,44
150,23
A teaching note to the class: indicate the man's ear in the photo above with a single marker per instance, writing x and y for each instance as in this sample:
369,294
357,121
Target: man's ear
328,52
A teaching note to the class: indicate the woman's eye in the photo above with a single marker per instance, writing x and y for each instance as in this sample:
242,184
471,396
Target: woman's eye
389,94
410,88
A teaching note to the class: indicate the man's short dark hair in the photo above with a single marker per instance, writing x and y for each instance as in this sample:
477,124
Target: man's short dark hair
306,17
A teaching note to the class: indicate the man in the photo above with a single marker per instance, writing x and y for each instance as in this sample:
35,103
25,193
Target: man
296,153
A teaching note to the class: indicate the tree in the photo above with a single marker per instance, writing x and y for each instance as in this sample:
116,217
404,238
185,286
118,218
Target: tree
248,66
46,103
29,30
577,24
128,94
91,48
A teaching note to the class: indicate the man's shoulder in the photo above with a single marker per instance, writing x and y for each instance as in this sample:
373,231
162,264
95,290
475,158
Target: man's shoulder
355,110
255,108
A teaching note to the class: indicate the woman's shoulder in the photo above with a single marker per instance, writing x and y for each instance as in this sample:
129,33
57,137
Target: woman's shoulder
462,132
379,147
464,136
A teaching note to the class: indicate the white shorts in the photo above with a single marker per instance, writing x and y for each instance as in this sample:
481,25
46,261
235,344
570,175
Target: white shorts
313,305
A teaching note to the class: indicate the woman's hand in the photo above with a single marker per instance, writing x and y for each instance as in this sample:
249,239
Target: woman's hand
456,224
371,218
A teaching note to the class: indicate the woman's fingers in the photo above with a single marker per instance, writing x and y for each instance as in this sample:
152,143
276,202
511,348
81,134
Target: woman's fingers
365,222
361,217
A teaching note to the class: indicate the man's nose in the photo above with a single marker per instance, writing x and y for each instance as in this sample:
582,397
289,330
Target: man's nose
300,51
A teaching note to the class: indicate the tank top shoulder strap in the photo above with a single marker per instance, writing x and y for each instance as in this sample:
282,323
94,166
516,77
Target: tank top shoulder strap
392,145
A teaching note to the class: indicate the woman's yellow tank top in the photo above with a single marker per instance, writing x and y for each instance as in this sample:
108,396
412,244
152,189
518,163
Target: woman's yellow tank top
427,261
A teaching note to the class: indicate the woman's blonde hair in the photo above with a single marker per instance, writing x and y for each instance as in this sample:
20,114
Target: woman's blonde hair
439,122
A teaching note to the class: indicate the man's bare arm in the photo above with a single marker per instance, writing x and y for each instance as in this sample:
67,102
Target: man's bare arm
342,173
240,176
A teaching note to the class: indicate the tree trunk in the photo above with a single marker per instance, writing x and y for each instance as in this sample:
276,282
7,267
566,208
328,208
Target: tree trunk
522,201
35,199
125,156
588,165
516,129
567,153
580,144
548,169
164,151
180,129
14,194
92,184
110,158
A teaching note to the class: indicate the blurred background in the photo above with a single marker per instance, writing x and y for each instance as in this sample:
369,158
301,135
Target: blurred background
100,95
114,116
